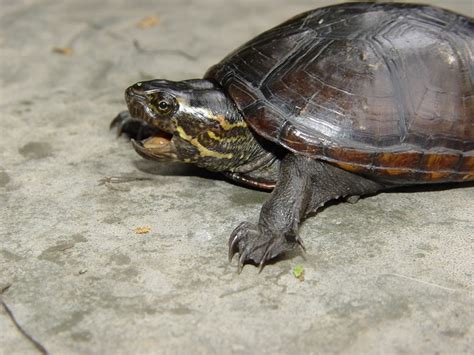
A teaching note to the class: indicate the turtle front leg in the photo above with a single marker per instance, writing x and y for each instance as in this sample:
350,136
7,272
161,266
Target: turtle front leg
133,128
303,186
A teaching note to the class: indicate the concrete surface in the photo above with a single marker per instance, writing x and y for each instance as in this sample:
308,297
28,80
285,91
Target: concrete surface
391,274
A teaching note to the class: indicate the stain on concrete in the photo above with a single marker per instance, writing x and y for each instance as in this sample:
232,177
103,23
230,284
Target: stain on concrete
112,220
355,317
105,298
36,150
181,310
55,253
426,247
10,256
81,336
120,259
4,178
74,319
26,102
79,238
123,274
149,310
392,308
396,308
454,333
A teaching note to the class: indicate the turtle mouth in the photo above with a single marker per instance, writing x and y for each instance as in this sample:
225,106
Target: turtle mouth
157,147
152,142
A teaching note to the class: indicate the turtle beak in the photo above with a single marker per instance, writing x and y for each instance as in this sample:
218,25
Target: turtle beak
156,148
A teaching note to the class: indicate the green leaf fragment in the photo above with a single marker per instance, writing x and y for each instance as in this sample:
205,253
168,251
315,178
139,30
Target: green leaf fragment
298,271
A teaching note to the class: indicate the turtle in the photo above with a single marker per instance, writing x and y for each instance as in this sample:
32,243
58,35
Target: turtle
335,103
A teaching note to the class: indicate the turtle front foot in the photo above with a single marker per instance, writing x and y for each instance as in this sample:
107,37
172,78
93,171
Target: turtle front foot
124,123
257,244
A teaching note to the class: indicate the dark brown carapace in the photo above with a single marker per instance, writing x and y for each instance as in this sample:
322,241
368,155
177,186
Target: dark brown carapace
383,90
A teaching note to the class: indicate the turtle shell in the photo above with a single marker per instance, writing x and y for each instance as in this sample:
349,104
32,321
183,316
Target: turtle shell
385,90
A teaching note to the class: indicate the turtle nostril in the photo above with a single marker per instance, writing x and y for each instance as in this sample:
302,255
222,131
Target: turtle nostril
134,93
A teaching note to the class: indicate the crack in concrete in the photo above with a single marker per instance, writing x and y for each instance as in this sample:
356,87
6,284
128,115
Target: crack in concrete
175,52
28,336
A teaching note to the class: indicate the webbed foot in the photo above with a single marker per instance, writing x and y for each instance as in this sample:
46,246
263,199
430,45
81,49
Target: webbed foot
133,128
258,244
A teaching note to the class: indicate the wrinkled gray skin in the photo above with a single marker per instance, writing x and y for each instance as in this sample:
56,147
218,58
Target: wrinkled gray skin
302,186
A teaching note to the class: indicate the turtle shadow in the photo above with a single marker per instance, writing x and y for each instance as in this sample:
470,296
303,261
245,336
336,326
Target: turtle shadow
175,169
285,256
396,190
182,169
430,187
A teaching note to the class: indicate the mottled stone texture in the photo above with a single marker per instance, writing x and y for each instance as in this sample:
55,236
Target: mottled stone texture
390,274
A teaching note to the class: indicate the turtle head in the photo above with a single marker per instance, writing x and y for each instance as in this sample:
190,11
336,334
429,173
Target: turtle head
191,121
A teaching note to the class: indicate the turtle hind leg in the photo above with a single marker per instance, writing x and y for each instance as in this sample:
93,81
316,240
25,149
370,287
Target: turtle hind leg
330,182
135,129
303,186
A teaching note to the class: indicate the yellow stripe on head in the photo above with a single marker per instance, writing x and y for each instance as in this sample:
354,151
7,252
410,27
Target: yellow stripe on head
204,152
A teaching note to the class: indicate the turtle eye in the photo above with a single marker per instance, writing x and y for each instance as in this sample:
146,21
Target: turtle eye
164,105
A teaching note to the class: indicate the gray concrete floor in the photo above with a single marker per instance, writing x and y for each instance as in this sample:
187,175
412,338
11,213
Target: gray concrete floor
391,274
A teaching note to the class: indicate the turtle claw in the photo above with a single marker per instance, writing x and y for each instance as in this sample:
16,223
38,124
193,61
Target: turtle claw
234,239
257,245
240,266
264,259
